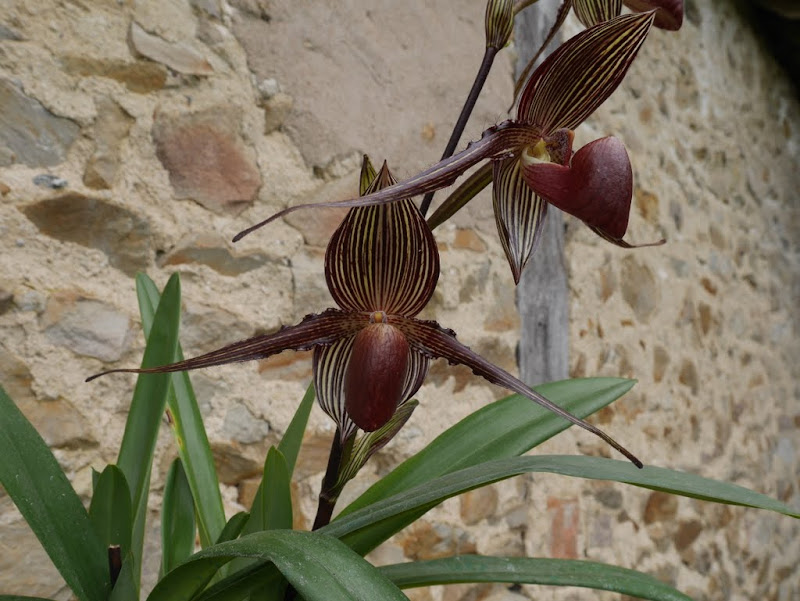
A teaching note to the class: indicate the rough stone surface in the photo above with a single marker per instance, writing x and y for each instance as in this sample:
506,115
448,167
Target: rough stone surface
178,56
29,133
111,128
206,159
707,323
86,326
123,235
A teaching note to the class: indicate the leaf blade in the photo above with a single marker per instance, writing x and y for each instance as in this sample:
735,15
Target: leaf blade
39,488
529,570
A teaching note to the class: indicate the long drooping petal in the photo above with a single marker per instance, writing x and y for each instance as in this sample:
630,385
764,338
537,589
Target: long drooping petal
430,338
519,213
322,329
382,258
582,73
495,142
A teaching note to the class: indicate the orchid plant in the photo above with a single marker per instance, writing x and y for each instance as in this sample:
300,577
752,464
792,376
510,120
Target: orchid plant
371,354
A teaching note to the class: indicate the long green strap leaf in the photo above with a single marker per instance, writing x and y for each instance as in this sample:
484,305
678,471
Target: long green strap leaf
528,570
35,482
110,509
189,431
146,412
177,519
505,428
365,529
361,529
319,567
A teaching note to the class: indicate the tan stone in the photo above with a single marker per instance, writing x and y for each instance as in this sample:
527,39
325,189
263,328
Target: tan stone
661,507
478,504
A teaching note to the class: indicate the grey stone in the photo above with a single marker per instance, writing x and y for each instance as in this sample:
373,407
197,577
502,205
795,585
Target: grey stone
86,326
119,233
6,33
205,328
45,180
179,56
242,426
29,133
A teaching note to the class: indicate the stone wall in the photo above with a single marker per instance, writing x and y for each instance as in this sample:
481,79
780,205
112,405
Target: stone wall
140,136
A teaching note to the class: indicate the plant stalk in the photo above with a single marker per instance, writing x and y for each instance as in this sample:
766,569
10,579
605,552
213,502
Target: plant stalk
327,500
466,111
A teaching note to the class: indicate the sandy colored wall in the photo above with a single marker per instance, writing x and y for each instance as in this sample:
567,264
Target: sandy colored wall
140,136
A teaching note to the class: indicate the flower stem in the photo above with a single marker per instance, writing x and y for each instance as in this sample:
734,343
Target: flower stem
327,497
466,111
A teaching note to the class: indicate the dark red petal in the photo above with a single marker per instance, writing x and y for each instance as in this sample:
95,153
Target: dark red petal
330,366
496,141
597,188
375,376
582,73
670,13
519,214
313,330
382,258
430,338
592,12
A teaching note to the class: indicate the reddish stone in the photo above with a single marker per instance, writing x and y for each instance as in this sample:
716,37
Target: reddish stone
564,525
207,159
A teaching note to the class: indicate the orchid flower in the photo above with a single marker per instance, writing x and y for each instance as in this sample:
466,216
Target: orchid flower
669,15
371,354
531,158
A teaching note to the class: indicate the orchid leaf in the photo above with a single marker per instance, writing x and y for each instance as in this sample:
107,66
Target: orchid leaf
319,567
468,190
110,509
582,73
146,413
529,570
365,528
31,476
189,431
177,519
505,428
